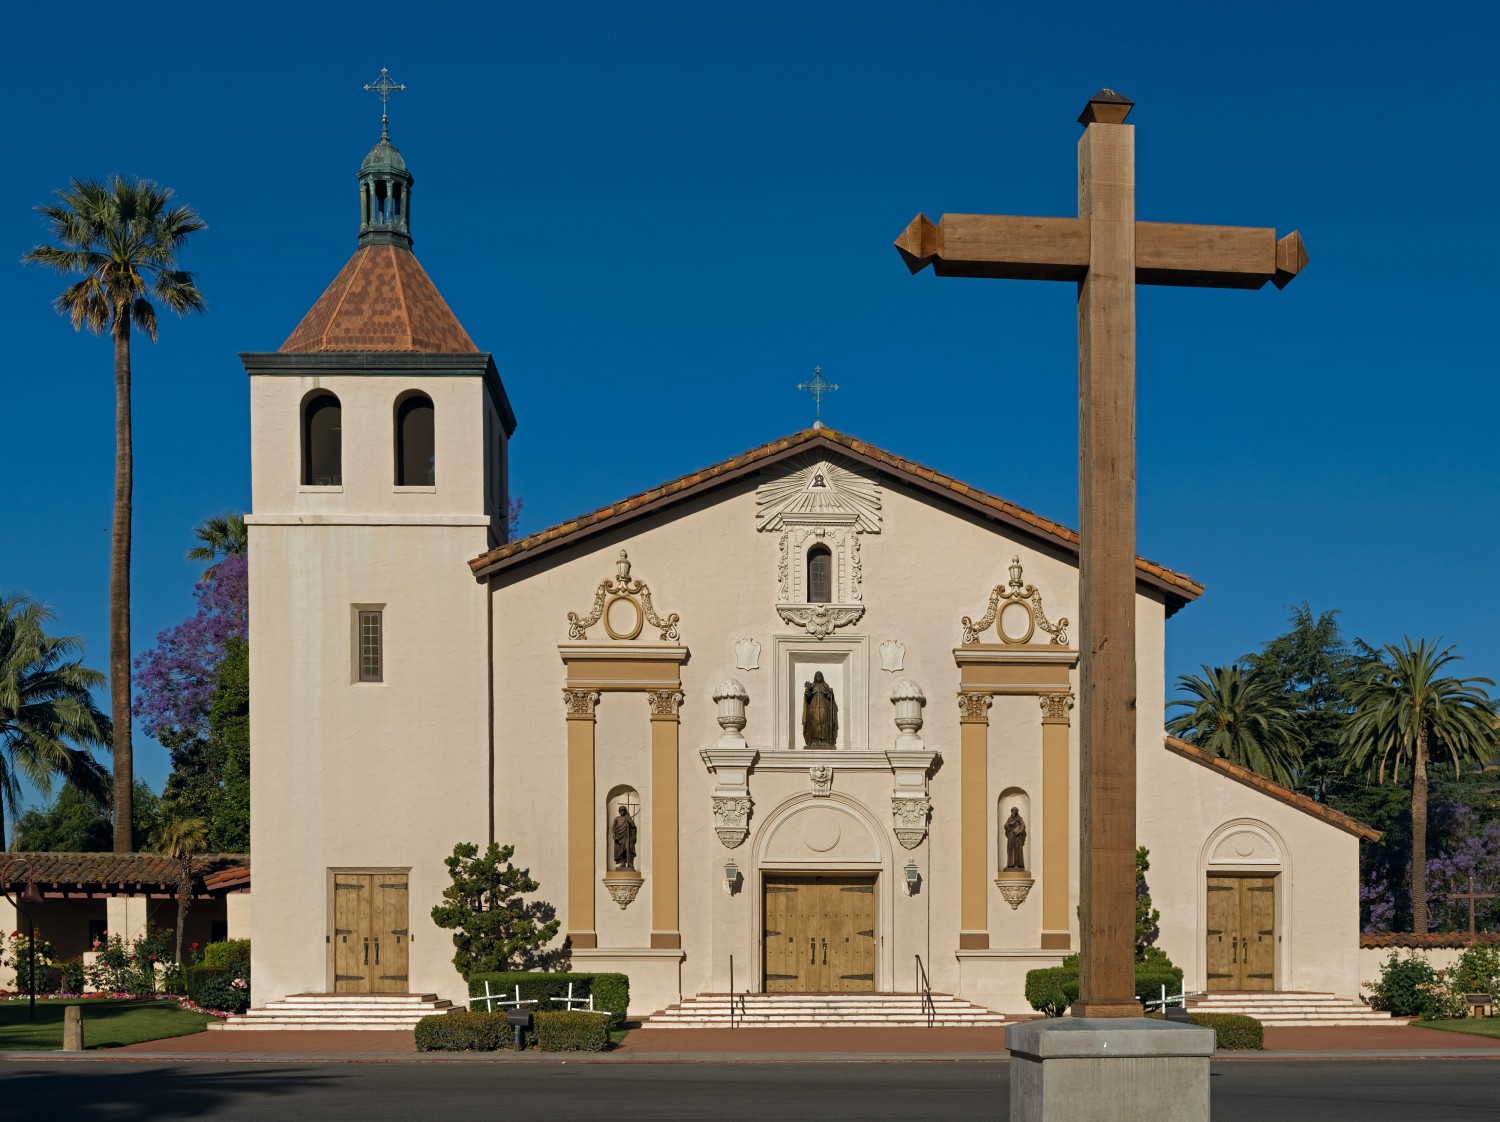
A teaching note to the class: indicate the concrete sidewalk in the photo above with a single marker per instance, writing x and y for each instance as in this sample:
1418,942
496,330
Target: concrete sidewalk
806,1045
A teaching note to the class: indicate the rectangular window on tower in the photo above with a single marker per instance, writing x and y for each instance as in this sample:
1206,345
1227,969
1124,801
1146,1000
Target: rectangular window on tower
368,645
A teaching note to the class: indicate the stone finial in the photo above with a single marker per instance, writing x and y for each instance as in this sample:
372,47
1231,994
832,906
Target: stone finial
908,699
730,696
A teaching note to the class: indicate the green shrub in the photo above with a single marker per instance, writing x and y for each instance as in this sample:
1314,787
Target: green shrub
464,1031
1052,989
1232,1032
230,954
1410,987
1477,970
1045,989
611,992
70,976
225,991
563,1031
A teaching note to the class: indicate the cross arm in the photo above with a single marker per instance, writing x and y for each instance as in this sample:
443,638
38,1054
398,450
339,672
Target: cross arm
1167,253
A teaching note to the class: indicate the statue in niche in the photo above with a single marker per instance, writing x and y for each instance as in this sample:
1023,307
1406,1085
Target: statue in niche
622,836
820,714
1015,840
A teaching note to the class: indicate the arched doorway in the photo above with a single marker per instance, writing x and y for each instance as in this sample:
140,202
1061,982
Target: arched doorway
1243,908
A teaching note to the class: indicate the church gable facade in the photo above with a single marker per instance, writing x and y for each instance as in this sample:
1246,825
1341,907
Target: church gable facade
802,721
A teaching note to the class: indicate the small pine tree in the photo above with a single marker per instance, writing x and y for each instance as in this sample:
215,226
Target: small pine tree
493,928
1147,918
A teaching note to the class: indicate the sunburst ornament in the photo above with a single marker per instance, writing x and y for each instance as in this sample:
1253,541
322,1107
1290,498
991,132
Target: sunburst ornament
816,491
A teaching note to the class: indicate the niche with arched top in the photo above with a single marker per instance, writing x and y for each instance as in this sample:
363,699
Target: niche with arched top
322,441
1013,799
621,842
416,442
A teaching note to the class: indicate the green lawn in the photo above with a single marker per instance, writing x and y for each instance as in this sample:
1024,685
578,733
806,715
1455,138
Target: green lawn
106,1024
1474,1026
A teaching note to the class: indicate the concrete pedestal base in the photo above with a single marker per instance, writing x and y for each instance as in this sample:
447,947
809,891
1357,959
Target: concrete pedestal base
1105,1069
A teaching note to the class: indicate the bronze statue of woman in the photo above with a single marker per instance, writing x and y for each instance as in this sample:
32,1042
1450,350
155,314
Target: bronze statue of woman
820,715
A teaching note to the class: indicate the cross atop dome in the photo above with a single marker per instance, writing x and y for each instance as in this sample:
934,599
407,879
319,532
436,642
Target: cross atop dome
384,87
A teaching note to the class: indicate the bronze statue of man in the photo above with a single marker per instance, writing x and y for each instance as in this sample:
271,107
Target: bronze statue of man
1015,840
820,714
622,831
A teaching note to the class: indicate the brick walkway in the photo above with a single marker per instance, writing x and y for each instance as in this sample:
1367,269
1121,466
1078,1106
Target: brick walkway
271,1042
887,1041
1374,1038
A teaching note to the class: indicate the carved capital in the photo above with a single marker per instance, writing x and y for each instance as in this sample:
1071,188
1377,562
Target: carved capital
1014,888
974,708
664,704
580,704
1055,707
623,888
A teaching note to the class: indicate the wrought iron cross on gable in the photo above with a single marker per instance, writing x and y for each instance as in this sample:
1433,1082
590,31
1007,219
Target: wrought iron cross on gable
818,387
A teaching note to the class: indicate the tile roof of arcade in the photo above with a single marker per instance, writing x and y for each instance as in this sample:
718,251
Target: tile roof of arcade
1179,589
119,869
382,300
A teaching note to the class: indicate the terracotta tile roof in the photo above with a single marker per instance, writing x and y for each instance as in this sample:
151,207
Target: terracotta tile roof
1180,588
110,869
1275,790
382,300
1440,939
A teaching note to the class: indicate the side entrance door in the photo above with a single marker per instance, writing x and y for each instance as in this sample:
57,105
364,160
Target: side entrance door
819,934
370,933
1241,933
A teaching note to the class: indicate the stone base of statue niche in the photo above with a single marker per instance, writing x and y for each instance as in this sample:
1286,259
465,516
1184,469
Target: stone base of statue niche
1108,1069
623,885
1014,885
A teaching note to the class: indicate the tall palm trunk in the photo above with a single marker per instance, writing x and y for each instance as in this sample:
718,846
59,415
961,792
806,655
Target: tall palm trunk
184,897
119,591
2,820
1419,834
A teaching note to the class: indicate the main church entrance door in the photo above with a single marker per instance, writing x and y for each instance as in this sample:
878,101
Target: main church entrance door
1241,933
819,934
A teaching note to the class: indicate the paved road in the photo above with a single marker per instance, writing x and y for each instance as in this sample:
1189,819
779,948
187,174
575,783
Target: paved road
80,1091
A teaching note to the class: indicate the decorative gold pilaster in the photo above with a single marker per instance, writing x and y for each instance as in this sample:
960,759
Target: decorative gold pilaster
974,728
581,710
1056,860
665,725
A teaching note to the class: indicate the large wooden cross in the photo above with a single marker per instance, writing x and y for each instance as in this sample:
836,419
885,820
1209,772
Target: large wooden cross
1107,252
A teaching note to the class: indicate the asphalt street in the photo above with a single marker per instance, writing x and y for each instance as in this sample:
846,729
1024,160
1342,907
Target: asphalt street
90,1091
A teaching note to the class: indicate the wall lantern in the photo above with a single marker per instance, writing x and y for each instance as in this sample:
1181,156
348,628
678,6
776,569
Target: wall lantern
913,878
731,876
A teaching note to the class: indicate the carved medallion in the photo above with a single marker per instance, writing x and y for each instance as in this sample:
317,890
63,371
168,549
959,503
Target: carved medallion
1016,611
623,603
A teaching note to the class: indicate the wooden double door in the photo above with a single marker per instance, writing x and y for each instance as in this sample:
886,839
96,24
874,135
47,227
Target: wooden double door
819,934
371,936
1241,933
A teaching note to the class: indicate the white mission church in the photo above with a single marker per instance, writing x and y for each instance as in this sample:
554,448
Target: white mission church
820,678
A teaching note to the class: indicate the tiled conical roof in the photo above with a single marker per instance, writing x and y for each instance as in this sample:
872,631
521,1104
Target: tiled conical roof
382,300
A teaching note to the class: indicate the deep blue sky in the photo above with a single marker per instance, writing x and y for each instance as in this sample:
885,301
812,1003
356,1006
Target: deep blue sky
660,217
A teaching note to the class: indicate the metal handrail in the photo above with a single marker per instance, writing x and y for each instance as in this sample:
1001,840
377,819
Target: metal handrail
736,1000
924,987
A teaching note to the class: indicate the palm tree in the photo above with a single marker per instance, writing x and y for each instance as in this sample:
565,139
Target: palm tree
123,236
1405,713
1241,716
180,839
220,536
48,719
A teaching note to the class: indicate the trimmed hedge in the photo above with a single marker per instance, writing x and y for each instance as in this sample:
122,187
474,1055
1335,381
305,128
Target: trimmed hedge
611,992
565,1031
1052,989
229,954
1232,1031
464,1031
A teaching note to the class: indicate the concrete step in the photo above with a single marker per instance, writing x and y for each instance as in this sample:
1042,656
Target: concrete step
858,1010
1293,1009
343,1012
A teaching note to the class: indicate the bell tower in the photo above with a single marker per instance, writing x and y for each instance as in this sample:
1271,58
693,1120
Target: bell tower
378,470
